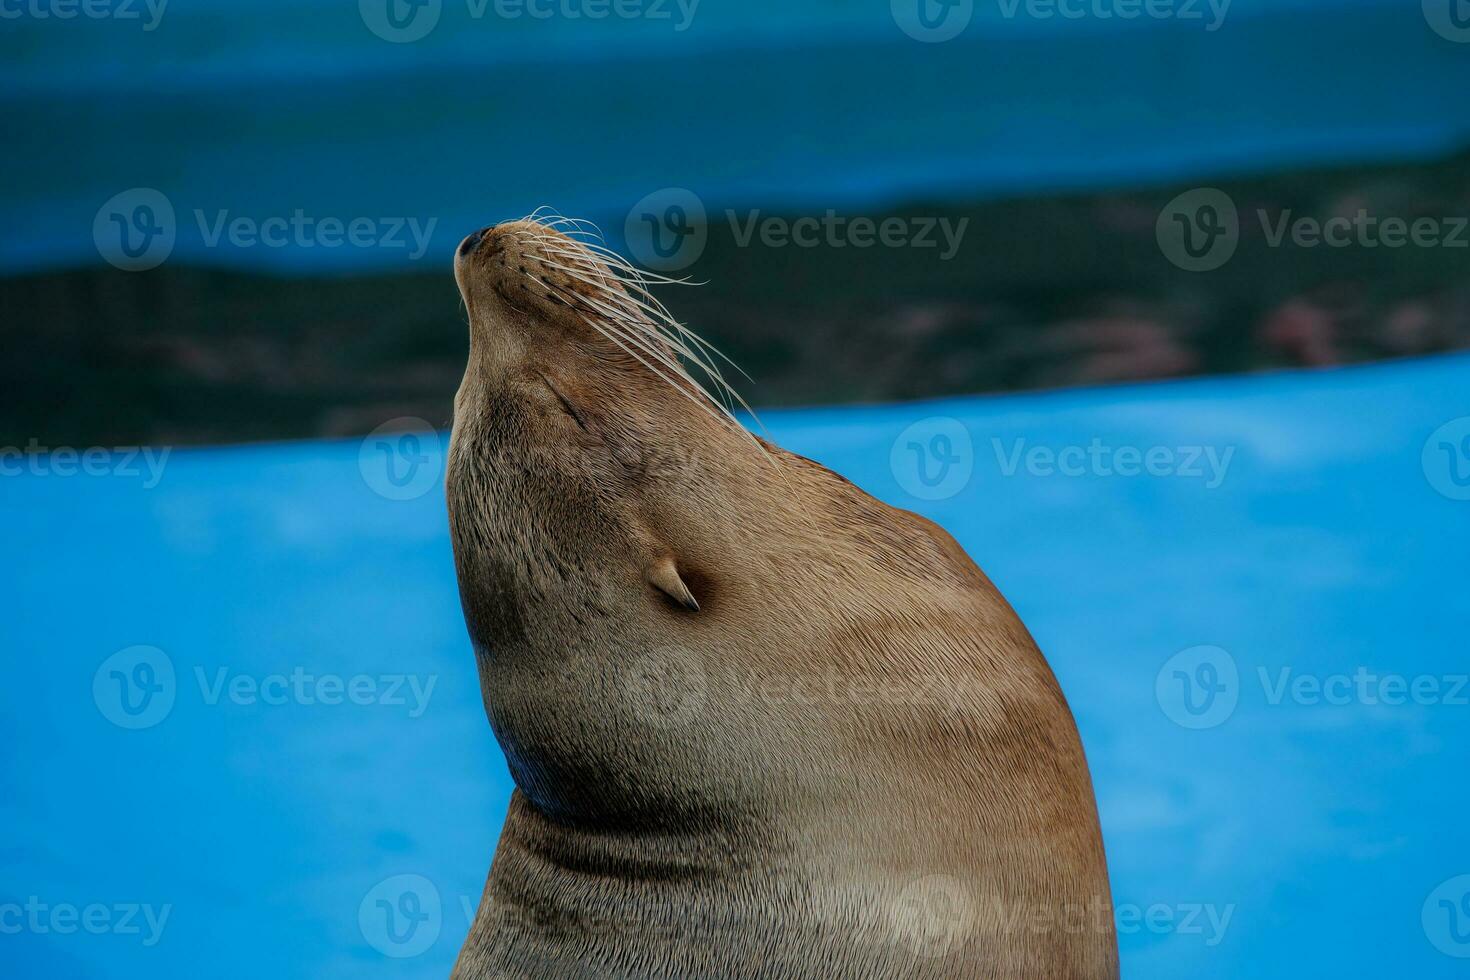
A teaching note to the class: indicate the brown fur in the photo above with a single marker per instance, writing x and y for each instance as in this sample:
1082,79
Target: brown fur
851,761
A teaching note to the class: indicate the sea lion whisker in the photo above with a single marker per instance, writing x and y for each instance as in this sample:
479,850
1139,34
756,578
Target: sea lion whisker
656,308
653,343
660,322
622,297
555,219
646,341
704,403
726,412
643,327
597,244
553,291
631,271
583,275
637,282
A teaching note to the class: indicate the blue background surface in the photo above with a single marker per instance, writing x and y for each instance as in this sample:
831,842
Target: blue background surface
1321,829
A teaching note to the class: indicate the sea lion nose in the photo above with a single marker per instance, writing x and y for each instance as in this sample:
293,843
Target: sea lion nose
472,241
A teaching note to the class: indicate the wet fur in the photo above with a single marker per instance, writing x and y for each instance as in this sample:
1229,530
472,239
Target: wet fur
744,831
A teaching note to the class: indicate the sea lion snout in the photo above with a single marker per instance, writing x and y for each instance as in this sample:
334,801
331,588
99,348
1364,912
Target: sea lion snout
526,239
533,291
503,273
520,257
472,240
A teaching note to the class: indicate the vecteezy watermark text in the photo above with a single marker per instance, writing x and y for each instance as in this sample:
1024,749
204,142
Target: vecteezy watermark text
137,688
1200,230
303,687
935,458
679,12
938,914
933,21
406,21
148,12
1100,459
668,230
42,918
137,229
125,462
1363,686
839,231
301,230
1200,687
1211,13
1364,230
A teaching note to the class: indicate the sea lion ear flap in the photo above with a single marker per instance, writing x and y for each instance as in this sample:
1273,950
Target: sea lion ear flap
664,576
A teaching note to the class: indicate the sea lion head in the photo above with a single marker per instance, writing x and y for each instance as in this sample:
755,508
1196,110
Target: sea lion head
568,331
557,311
597,494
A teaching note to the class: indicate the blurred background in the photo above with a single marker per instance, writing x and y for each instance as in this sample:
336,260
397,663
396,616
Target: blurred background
229,222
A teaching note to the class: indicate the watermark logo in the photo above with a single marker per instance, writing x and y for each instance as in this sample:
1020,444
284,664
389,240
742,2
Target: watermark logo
934,458
668,686
1199,230
1450,19
135,230
1198,687
401,21
667,230
401,459
1446,459
933,916
135,688
1446,917
401,916
148,12
932,21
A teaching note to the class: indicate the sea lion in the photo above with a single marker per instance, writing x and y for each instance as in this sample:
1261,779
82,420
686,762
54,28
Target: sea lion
760,723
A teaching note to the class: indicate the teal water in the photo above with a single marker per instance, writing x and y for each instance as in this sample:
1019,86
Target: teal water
260,112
